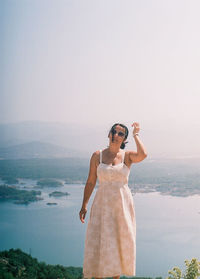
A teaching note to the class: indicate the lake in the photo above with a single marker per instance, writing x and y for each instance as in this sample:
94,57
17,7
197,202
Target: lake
168,229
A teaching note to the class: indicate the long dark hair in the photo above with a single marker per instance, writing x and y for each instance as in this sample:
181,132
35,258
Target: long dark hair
126,133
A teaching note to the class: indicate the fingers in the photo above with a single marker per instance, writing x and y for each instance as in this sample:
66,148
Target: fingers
82,215
82,219
136,127
135,124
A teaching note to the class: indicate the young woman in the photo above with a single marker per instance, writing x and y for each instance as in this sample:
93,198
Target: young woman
110,243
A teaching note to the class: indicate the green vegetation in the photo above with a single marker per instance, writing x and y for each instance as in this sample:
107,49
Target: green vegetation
192,271
62,168
58,194
169,177
18,196
184,189
73,181
48,182
10,180
17,264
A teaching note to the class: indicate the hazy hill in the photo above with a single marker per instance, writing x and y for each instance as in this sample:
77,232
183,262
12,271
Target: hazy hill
75,139
166,142
36,149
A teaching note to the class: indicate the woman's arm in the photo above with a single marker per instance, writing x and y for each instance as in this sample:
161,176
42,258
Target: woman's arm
140,154
90,184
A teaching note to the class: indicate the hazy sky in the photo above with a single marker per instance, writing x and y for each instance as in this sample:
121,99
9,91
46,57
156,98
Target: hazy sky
99,62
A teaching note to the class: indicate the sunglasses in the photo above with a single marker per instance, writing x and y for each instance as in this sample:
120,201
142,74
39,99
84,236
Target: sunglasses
120,134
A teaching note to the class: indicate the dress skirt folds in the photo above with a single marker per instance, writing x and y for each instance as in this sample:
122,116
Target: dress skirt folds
110,242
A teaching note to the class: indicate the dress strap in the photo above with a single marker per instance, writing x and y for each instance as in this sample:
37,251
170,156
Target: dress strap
123,155
100,156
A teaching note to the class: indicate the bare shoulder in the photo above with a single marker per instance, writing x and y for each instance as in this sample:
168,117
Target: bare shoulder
127,156
95,157
134,157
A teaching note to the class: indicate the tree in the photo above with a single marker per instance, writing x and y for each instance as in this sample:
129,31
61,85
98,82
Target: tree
192,271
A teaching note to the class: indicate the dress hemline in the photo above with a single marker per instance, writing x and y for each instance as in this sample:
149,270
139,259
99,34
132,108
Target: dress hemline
106,276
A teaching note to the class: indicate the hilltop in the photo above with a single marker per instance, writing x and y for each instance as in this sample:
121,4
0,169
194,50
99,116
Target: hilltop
15,263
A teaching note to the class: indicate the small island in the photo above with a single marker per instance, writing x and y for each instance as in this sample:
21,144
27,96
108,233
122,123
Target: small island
169,189
11,193
10,180
51,203
74,181
48,182
58,194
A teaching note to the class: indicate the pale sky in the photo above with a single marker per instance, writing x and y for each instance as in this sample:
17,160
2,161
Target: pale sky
99,62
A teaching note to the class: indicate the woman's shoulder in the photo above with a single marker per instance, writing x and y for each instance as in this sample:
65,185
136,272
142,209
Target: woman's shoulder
127,159
128,153
95,158
97,152
96,155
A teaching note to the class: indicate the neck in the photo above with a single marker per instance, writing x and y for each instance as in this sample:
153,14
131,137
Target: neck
113,149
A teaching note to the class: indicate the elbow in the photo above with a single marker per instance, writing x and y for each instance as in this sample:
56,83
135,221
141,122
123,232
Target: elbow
145,154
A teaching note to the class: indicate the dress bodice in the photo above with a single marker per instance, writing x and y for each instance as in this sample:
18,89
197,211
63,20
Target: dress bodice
117,174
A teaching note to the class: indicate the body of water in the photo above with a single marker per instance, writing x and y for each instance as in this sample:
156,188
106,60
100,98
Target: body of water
168,229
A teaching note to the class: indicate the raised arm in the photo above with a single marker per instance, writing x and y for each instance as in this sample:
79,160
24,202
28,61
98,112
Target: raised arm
90,184
140,154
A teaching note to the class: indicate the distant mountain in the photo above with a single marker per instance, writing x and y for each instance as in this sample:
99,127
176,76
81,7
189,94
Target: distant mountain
36,149
72,136
84,139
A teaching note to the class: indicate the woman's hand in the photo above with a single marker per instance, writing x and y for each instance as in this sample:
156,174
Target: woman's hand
82,214
136,126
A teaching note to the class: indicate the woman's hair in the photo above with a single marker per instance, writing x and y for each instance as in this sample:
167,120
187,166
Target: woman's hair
126,133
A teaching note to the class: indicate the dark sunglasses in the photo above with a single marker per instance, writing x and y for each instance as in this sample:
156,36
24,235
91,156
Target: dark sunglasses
120,134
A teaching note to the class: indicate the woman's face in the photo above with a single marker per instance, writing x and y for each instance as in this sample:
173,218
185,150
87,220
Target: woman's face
118,136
